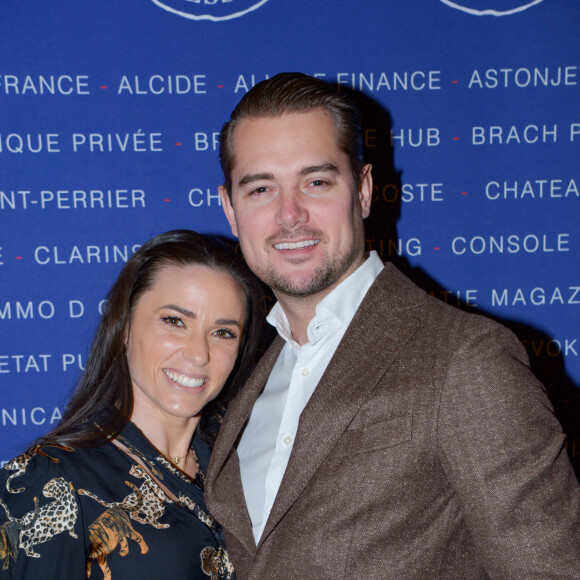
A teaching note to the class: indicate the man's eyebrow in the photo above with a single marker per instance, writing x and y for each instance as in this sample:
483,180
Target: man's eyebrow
325,167
254,177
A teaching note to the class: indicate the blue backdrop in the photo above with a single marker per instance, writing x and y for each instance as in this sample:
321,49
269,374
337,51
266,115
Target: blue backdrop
109,113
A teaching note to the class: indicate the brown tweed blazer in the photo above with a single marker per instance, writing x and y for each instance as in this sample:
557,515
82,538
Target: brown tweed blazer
428,450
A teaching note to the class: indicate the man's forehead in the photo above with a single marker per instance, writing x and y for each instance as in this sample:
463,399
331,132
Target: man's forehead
259,136
251,124
315,111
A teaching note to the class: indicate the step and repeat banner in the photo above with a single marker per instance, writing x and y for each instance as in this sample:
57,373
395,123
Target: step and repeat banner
109,117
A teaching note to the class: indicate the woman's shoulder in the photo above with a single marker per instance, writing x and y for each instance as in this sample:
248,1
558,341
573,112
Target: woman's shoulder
36,463
40,512
41,468
33,486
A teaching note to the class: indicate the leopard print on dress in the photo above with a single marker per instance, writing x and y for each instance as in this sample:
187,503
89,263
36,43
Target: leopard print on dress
53,518
20,463
149,496
216,563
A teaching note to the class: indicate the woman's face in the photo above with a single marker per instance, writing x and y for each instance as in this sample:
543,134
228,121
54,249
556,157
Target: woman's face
183,341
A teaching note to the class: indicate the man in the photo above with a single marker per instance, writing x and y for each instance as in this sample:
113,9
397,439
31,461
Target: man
384,434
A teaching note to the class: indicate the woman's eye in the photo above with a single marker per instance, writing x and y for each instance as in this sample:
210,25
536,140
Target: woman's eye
173,320
225,333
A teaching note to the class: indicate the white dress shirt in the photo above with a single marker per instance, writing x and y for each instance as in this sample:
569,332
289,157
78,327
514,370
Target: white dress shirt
267,441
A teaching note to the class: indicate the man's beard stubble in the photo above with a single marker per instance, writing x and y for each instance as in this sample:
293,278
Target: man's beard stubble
330,271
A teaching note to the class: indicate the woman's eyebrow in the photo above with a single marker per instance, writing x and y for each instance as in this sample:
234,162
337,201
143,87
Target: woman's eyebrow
179,309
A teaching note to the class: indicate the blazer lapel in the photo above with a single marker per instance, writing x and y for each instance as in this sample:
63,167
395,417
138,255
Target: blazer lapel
224,493
376,335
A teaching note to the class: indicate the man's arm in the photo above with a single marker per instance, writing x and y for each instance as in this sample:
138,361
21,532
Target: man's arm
503,453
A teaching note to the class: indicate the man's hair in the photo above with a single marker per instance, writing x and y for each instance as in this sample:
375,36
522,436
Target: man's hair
289,93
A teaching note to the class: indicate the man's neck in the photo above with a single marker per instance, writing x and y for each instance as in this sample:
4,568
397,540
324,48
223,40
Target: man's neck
299,311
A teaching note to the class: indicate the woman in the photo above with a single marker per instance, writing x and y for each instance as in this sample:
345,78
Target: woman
116,490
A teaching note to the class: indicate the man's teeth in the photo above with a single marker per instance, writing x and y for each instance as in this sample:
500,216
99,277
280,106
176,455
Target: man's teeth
295,245
183,380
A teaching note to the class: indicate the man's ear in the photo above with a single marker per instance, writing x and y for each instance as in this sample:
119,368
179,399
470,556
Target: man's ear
228,209
365,190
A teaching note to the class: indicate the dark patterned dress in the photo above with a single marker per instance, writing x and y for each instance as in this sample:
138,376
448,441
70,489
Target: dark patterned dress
73,514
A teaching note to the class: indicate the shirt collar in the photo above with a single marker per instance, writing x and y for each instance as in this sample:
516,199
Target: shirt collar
338,307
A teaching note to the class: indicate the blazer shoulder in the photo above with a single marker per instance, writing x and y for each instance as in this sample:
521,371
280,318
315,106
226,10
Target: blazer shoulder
394,295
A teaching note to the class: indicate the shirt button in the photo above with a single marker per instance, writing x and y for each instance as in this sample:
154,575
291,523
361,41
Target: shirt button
287,440
305,372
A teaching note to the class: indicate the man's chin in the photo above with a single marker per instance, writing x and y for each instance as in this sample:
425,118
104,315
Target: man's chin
300,285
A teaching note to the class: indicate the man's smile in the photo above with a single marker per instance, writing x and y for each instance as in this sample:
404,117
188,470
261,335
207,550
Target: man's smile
296,245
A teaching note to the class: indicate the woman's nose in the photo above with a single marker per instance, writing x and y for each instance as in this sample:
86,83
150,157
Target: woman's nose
197,350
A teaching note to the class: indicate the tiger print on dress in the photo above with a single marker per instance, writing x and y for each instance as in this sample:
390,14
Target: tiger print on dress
10,533
111,529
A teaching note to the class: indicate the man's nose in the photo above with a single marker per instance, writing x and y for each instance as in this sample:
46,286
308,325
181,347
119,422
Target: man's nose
291,209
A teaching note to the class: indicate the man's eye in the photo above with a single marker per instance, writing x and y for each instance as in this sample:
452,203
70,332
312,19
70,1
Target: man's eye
318,183
259,190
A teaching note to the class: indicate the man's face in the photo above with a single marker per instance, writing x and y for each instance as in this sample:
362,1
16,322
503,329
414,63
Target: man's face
294,204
